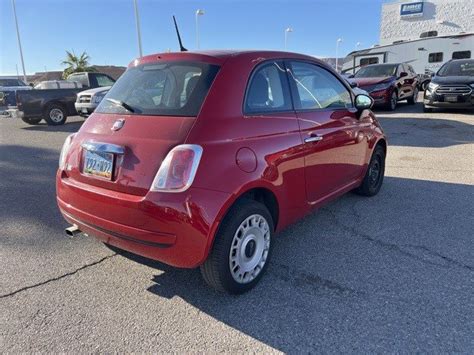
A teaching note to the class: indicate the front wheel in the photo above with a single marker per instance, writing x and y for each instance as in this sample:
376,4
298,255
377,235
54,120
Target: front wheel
373,178
392,103
31,121
55,115
241,250
412,100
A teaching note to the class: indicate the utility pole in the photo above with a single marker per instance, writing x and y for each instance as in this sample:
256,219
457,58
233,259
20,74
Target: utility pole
139,35
19,42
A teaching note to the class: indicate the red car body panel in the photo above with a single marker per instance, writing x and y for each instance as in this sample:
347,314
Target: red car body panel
241,153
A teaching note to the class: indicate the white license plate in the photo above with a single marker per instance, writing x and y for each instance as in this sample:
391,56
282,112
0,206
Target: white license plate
451,98
84,110
98,164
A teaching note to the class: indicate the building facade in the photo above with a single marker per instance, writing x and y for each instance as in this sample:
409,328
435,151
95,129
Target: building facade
409,20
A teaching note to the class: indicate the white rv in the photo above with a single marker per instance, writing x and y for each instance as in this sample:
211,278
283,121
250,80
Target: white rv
426,55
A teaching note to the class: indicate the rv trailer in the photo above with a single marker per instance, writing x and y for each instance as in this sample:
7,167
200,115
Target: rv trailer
425,55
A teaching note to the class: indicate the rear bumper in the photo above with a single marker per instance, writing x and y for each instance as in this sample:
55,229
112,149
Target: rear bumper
174,228
10,112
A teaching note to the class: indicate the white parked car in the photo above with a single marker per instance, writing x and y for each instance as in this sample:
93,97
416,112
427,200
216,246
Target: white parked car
88,100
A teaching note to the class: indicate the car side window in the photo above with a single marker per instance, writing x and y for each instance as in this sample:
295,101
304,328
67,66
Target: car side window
268,90
317,88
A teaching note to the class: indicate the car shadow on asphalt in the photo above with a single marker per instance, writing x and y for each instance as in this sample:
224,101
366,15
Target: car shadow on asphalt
71,127
359,268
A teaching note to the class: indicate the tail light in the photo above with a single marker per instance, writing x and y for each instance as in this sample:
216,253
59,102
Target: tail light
176,173
64,151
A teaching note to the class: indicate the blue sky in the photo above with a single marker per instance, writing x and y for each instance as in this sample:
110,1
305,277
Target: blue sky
106,28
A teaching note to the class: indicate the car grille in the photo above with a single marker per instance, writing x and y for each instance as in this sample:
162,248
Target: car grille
84,98
454,89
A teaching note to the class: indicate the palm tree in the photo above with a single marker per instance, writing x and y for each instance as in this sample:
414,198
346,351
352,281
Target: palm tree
76,63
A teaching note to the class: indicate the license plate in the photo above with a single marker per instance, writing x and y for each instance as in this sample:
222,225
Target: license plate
451,98
98,164
84,110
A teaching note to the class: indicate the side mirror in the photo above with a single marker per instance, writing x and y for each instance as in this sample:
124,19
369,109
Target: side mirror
432,74
353,84
403,74
363,102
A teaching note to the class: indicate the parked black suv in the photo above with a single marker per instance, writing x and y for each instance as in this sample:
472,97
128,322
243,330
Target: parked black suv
452,86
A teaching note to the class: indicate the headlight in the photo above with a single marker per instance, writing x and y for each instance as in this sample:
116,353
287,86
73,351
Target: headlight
432,86
380,87
65,150
472,85
176,173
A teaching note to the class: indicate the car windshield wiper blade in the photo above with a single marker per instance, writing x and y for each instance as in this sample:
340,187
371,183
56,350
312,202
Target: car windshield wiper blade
121,103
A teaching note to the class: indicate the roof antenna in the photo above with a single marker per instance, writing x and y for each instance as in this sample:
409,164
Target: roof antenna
181,48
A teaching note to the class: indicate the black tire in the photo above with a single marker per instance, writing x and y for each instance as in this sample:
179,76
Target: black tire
31,120
427,109
216,270
55,115
412,100
373,178
392,103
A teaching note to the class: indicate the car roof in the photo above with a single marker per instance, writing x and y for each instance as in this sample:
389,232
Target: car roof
220,56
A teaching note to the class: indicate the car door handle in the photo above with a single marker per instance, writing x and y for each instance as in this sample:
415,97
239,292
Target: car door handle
313,138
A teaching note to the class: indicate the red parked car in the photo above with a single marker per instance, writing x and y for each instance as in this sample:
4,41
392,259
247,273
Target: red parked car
388,83
198,159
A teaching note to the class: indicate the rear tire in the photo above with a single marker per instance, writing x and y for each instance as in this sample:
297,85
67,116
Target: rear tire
373,178
31,120
55,115
242,248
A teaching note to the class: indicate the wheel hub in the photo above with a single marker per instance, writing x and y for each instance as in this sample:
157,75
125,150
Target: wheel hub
249,248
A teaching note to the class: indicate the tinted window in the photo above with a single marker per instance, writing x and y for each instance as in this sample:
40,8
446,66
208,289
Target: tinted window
435,57
104,80
457,68
368,61
165,88
317,88
374,71
268,90
462,55
81,78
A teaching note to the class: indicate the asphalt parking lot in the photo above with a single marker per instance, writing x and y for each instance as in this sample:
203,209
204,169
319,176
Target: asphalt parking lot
392,272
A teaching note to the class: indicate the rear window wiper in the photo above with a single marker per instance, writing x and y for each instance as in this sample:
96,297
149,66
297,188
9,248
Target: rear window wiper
121,103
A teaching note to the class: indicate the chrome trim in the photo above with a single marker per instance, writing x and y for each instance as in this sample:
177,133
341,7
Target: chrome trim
103,147
453,89
313,139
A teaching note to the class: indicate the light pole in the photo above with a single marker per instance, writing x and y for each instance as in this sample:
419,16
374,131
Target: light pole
199,12
19,42
339,40
137,22
288,30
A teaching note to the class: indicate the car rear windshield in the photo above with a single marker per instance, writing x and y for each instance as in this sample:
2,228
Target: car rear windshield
373,71
458,68
162,89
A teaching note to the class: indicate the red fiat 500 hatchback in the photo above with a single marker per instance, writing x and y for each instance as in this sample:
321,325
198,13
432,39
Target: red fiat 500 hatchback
197,159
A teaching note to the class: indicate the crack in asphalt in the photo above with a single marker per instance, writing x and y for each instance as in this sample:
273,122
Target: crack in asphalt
395,247
57,278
